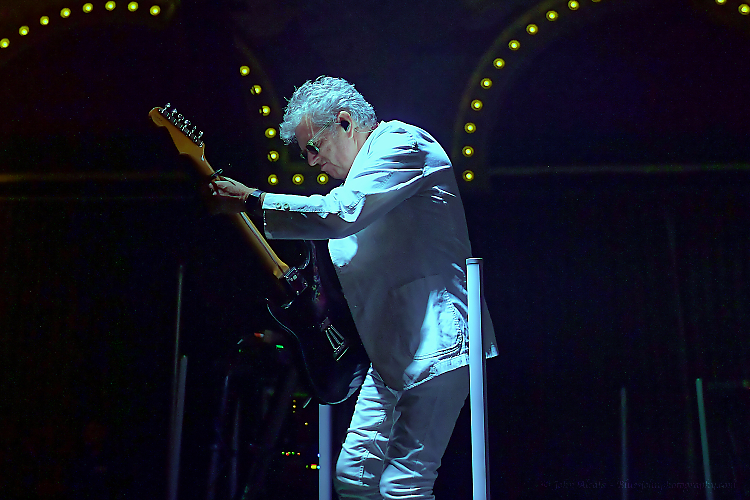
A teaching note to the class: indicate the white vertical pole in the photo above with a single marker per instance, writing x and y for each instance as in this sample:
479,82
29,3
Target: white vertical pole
325,460
477,383
704,440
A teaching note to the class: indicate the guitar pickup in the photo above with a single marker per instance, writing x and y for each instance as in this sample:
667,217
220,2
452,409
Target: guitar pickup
338,342
295,281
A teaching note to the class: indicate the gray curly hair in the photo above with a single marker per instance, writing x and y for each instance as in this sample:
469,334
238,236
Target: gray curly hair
322,100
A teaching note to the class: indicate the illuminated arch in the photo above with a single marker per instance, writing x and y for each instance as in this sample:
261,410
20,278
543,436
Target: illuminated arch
512,52
30,24
27,24
280,169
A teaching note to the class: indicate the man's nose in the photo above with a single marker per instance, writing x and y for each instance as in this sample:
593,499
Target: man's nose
312,158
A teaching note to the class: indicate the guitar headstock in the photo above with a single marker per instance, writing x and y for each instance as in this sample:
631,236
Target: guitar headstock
186,137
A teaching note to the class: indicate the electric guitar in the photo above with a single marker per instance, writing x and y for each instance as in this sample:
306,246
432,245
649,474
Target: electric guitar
314,310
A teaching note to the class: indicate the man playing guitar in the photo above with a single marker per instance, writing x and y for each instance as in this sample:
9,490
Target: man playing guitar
399,243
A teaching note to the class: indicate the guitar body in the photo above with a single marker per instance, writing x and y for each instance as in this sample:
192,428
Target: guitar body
319,320
314,310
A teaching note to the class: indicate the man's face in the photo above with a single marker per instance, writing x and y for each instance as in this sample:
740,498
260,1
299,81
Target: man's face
337,149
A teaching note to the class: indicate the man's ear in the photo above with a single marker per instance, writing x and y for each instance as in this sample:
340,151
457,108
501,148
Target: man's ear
345,120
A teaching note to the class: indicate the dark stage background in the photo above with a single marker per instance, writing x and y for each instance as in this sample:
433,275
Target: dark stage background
610,207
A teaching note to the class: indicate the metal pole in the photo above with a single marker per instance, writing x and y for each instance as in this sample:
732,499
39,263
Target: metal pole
176,435
624,442
325,459
178,398
704,440
176,360
477,383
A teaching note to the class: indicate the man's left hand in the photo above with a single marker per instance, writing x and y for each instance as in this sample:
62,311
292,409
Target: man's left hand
227,196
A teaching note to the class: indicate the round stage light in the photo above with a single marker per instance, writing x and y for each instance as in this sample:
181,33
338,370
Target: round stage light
499,63
270,132
486,83
65,13
322,178
23,30
468,175
273,156
88,7
133,6
244,70
154,10
744,9
273,180
44,20
4,43
476,105
110,5
298,179
552,15
573,5
514,45
256,89
721,2
468,151
532,29
265,110
470,128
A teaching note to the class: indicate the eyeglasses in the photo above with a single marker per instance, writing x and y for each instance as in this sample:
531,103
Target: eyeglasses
312,146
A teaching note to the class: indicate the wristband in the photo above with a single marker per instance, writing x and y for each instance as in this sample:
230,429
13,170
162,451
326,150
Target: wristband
257,193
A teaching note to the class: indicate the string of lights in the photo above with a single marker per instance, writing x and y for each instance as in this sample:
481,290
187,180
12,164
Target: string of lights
53,17
270,132
496,59
270,112
540,21
505,54
7,40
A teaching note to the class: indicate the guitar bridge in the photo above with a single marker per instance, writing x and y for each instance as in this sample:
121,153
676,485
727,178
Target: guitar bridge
338,342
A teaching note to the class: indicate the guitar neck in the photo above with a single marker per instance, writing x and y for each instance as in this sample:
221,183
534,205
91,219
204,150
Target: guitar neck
188,142
272,261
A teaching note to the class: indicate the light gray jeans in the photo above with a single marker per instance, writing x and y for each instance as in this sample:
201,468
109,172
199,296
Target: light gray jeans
396,439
